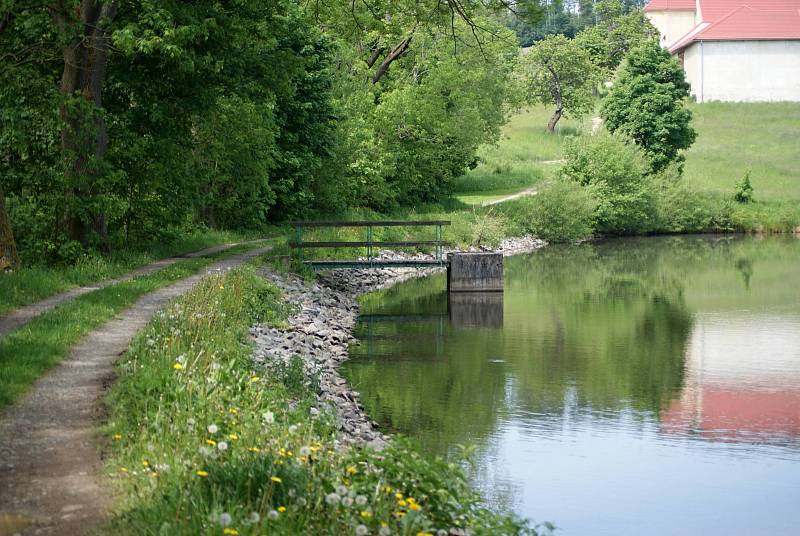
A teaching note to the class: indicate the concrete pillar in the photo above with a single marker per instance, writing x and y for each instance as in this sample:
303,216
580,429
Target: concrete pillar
475,309
475,272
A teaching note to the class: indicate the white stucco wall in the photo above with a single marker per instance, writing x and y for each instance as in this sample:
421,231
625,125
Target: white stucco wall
744,71
672,24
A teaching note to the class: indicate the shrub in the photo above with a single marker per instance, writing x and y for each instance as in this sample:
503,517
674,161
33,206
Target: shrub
564,212
744,190
617,171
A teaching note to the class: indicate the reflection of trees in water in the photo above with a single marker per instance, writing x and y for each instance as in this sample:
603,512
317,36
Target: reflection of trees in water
593,328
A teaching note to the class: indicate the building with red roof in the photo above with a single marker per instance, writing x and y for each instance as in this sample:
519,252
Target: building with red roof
734,50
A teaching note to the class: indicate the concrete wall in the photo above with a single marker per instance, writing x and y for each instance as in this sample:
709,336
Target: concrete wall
475,272
672,24
744,71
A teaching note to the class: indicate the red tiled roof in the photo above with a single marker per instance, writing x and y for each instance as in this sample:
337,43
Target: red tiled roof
724,20
670,5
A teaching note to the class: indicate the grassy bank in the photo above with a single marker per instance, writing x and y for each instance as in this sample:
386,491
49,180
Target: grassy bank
35,282
203,443
26,353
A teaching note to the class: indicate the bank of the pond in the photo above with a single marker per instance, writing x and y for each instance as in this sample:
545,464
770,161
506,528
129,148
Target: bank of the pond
320,330
209,436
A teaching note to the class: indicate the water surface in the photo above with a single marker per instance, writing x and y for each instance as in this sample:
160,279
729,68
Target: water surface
638,386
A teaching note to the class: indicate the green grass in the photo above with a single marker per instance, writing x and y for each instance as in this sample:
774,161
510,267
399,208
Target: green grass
733,138
188,385
36,282
515,162
27,352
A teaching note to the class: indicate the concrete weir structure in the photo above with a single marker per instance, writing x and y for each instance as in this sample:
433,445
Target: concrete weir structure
475,272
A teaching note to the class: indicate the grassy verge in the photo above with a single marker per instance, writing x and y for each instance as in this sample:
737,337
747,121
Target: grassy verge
516,161
26,353
36,282
201,443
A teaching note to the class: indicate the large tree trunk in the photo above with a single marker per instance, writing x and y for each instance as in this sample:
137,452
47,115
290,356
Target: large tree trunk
558,98
551,125
8,248
84,137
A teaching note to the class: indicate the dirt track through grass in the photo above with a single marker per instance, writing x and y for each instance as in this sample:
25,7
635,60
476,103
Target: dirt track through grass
50,464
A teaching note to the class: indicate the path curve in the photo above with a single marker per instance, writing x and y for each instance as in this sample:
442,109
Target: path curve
533,190
50,462
22,315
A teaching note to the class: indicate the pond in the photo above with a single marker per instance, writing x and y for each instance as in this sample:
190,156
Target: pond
626,387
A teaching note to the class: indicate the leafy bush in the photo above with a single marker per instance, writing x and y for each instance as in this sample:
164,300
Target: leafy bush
744,190
564,212
617,172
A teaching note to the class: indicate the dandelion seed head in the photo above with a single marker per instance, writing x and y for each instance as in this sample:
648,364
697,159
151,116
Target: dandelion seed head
268,417
273,515
305,451
225,519
222,446
254,517
384,531
212,428
347,501
332,498
361,530
361,500
341,489
292,428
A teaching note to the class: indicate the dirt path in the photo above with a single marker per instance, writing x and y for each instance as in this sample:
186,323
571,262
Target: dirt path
50,465
25,314
533,190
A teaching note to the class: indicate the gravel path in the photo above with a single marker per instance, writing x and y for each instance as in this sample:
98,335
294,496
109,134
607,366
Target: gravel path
50,464
25,314
533,190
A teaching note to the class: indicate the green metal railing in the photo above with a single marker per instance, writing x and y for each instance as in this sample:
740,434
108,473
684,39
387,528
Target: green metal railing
438,243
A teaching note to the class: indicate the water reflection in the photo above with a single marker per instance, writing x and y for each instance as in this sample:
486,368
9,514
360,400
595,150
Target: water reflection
628,387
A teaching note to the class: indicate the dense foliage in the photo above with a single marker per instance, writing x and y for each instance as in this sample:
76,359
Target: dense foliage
128,121
648,104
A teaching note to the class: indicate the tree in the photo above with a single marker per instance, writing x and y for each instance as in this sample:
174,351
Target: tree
8,248
558,71
648,104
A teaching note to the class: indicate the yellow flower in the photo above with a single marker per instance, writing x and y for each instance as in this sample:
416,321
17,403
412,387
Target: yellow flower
424,534
276,479
201,473
414,506
401,502
384,524
211,442
387,489
154,474
398,495
232,532
177,366
254,449
233,437
352,470
366,514
145,463
281,509
117,437
123,469
254,379
399,514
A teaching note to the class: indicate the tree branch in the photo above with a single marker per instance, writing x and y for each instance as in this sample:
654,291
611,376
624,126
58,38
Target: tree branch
398,51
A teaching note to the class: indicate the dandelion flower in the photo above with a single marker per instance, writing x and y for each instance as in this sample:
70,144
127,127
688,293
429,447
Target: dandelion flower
341,489
225,519
273,515
117,437
305,451
366,514
361,530
232,532
361,500
347,501
222,446
276,479
281,509
202,473
352,470
212,428
177,366
332,498
211,442
254,517
233,437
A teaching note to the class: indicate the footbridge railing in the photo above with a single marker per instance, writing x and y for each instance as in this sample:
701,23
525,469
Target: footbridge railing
370,244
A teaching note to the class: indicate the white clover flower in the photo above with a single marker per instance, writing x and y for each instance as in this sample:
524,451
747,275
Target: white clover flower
304,451
268,417
254,517
341,489
222,445
273,515
384,531
361,530
212,428
361,500
225,519
332,498
292,428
